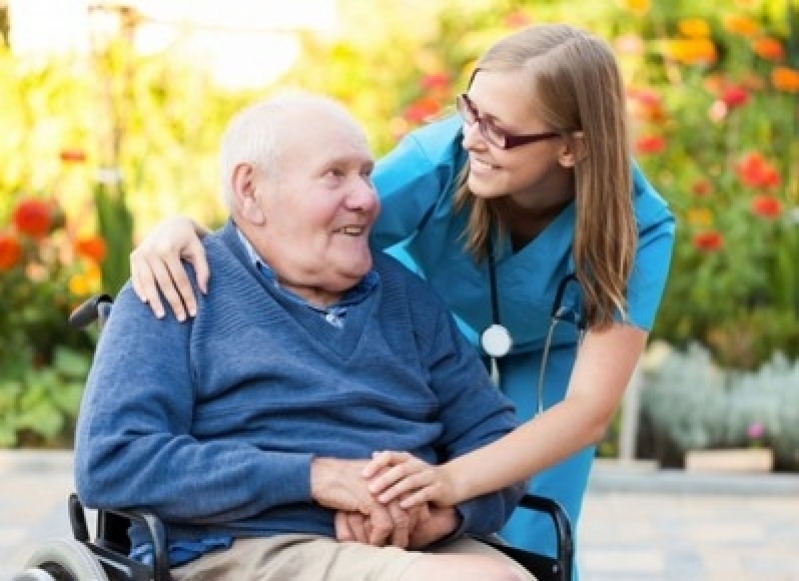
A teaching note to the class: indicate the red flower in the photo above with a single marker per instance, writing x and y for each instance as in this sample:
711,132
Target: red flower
91,247
766,206
33,218
517,19
709,241
435,81
10,251
422,109
72,155
645,103
768,48
702,188
734,96
650,144
756,172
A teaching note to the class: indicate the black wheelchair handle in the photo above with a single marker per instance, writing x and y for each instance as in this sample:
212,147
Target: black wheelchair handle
89,311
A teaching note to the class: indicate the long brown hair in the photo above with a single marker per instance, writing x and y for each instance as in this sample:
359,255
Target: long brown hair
576,86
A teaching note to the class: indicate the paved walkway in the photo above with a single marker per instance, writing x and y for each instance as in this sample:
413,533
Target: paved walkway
640,524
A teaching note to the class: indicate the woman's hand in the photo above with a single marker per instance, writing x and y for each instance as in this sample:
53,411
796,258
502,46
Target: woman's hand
399,475
156,265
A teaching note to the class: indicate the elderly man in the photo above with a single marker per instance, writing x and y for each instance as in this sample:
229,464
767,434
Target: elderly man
247,428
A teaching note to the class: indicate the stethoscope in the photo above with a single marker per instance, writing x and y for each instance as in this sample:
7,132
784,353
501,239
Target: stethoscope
496,339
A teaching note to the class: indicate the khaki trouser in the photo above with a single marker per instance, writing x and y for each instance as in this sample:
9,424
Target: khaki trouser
312,558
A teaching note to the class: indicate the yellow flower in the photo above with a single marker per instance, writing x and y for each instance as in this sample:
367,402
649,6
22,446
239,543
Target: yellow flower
701,217
637,6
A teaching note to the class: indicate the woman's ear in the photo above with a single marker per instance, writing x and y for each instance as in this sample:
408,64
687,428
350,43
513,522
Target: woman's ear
574,151
245,194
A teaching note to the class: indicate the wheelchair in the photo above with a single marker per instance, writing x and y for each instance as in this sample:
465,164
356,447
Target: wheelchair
105,557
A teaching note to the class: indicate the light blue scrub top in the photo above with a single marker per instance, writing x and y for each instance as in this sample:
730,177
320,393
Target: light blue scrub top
416,184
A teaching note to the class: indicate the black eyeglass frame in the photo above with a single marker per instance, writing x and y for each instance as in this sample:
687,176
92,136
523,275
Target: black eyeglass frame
469,114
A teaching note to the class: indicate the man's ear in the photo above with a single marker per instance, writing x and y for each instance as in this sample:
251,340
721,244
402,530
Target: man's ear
574,151
245,194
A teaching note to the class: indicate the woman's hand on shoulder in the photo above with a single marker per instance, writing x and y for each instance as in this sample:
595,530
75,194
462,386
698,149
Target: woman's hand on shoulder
155,264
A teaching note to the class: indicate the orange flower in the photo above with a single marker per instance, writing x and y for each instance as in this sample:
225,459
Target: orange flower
768,48
72,155
756,172
785,79
694,28
709,241
767,207
650,144
691,51
91,247
33,218
740,25
10,251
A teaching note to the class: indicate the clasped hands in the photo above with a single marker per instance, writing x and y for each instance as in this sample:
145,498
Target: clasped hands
388,500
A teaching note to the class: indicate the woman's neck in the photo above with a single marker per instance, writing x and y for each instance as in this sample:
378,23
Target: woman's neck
525,224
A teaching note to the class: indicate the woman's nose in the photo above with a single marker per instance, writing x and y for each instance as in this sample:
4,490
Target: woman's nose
472,135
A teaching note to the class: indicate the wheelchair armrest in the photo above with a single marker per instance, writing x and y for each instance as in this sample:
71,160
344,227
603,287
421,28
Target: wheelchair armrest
560,521
96,308
113,523
545,568
157,532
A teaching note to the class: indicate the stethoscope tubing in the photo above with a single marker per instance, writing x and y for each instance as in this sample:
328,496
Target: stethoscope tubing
558,313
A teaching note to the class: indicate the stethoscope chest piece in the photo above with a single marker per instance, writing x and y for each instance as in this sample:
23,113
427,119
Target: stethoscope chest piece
496,341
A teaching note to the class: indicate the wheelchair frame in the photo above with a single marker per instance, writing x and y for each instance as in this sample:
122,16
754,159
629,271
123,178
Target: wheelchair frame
105,558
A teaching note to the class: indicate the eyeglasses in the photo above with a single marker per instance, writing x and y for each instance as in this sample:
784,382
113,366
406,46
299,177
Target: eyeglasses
493,134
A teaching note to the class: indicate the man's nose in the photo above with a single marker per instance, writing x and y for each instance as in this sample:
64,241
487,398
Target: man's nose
364,195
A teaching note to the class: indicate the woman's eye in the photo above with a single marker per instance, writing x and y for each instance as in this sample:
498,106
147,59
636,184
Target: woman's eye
496,132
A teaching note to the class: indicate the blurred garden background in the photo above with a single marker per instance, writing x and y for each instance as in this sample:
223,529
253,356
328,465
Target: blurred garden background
111,114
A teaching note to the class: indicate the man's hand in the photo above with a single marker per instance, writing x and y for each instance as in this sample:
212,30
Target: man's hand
439,523
357,527
338,484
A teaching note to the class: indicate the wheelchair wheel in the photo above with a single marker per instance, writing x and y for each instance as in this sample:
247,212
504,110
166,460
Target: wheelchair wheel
62,560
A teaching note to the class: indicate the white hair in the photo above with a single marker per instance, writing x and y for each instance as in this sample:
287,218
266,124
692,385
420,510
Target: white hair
253,135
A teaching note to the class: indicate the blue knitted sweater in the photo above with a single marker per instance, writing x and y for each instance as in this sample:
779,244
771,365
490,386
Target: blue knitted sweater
213,423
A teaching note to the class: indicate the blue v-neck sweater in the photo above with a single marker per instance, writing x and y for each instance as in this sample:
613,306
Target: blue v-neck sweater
213,423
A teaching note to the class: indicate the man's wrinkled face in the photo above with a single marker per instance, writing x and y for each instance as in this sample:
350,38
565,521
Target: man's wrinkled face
321,205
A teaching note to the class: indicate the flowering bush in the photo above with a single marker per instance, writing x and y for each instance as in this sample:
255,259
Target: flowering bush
46,269
713,100
717,125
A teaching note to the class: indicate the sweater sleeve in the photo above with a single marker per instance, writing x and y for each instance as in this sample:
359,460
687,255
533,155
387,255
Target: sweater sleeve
134,447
